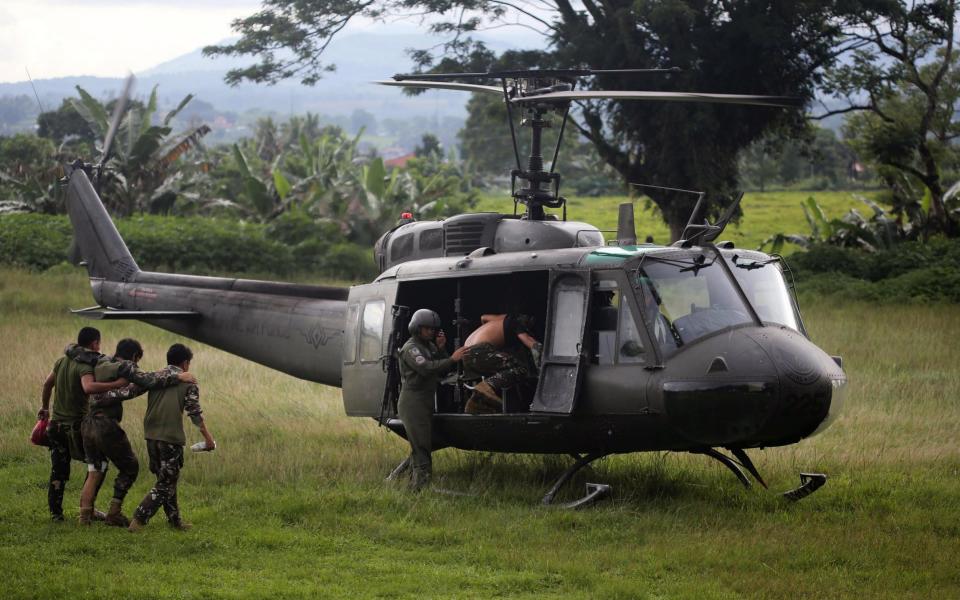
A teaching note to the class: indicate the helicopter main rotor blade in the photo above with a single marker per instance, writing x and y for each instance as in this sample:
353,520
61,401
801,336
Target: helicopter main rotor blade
780,101
443,85
115,119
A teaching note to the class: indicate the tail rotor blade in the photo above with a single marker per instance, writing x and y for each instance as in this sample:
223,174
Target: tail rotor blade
115,119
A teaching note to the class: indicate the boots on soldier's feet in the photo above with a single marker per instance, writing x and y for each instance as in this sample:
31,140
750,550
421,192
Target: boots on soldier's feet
478,404
419,480
98,515
136,525
115,517
86,515
487,391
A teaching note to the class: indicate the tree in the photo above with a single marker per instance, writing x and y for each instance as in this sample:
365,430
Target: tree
58,124
902,85
751,46
137,175
429,146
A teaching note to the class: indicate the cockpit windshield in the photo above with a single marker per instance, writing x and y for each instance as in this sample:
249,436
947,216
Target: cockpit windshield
762,281
683,300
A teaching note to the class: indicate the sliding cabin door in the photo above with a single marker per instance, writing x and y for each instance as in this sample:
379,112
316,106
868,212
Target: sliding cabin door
563,348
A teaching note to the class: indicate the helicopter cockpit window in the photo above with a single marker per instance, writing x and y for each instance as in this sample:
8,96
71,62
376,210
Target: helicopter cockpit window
371,332
350,334
764,285
684,300
616,338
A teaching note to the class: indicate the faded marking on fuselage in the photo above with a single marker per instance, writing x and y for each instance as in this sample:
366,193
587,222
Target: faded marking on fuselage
243,325
318,336
147,293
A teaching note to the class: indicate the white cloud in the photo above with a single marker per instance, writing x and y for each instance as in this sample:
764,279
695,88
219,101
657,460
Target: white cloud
57,38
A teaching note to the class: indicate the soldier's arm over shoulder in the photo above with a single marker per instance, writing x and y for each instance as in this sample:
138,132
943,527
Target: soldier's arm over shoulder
127,392
151,381
191,404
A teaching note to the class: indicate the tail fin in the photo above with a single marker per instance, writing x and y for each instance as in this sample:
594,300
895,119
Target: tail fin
96,240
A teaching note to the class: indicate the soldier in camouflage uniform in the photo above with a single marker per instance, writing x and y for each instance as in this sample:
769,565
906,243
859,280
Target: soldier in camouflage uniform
423,360
69,383
103,438
163,428
498,351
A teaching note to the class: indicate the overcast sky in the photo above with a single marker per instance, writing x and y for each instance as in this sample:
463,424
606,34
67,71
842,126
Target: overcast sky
56,38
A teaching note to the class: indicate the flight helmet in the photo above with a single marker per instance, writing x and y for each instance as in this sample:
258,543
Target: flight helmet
424,318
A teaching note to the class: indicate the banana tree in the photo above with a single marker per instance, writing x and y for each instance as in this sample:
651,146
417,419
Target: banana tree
143,154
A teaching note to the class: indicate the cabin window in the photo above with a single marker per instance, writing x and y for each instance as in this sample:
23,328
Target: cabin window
371,334
567,318
431,239
350,334
402,247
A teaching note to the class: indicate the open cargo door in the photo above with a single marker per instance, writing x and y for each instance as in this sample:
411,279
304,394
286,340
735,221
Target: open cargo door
365,336
563,347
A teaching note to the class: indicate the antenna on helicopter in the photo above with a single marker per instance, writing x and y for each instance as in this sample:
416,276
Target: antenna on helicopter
541,91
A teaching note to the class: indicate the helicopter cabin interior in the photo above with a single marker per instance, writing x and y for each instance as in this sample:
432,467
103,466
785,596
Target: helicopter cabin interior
516,293
558,301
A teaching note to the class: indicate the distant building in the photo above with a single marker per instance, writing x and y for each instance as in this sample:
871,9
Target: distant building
400,161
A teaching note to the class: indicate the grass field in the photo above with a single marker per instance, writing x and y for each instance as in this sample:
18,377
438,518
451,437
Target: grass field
764,214
293,503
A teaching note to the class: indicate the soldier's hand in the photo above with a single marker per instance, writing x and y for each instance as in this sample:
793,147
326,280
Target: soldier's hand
187,377
43,414
119,383
457,355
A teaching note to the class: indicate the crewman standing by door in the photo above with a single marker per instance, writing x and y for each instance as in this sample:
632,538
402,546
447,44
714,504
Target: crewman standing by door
423,360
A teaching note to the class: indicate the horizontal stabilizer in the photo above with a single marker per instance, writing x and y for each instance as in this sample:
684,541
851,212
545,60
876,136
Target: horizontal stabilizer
103,312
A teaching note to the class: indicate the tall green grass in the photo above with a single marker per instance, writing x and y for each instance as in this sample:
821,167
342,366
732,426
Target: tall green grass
293,504
764,214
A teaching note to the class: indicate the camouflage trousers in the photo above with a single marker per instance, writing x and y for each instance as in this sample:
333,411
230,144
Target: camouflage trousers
58,436
166,460
104,440
500,368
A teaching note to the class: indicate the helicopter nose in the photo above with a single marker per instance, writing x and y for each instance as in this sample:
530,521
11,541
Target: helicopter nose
754,387
812,385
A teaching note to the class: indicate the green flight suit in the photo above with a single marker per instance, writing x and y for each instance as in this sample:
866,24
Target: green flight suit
421,366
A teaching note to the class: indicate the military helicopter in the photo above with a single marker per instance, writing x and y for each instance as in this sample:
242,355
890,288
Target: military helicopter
693,347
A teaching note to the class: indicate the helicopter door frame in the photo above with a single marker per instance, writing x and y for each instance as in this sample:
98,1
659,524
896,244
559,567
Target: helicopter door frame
563,357
363,375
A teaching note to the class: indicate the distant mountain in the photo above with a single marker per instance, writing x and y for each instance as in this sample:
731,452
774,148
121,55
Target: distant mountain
360,57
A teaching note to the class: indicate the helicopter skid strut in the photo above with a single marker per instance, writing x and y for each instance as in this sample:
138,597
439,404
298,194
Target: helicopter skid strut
595,491
809,482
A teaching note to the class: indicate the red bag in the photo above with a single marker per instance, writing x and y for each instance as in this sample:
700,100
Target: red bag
38,437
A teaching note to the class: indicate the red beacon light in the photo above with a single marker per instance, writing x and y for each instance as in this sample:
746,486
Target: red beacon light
406,215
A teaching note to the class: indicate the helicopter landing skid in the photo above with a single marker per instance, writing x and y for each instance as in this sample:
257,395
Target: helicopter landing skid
399,470
595,491
809,482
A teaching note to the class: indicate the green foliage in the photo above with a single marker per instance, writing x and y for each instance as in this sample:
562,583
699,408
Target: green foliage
136,175
879,231
28,175
902,80
910,272
34,241
64,122
756,47
293,243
